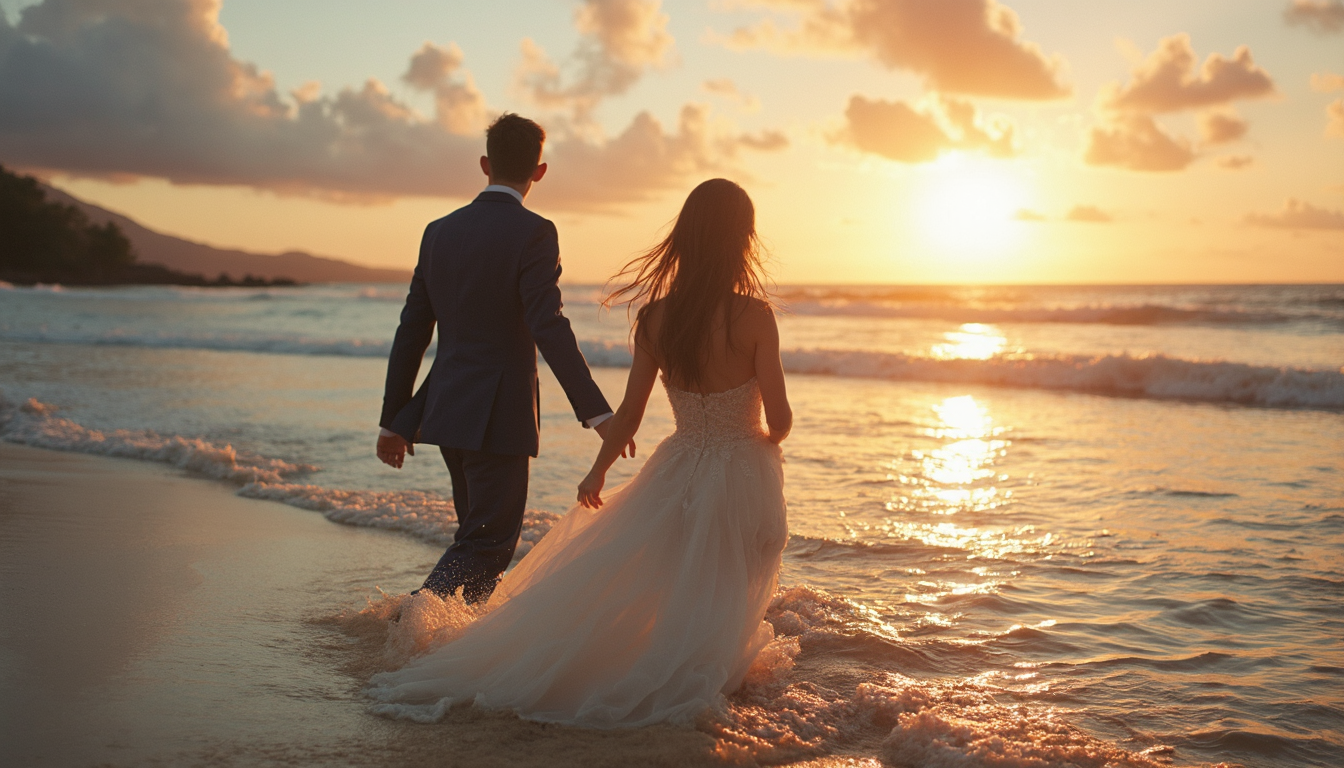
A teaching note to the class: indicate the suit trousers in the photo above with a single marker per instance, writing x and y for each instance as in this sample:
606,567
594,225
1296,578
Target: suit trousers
490,494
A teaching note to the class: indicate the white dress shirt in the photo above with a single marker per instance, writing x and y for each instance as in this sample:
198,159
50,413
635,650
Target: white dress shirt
590,423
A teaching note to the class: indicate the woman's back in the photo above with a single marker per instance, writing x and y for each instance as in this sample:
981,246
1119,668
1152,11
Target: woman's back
730,352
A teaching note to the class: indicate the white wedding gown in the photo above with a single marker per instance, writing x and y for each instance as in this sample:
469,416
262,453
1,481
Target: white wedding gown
646,610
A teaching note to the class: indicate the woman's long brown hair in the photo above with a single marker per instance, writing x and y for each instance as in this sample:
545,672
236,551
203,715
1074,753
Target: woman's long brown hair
711,254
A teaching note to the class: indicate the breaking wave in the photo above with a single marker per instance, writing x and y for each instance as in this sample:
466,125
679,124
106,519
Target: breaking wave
425,516
1149,376
1140,314
1155,377
36,424
1144,376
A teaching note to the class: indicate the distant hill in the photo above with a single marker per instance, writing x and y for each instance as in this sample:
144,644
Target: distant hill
186,256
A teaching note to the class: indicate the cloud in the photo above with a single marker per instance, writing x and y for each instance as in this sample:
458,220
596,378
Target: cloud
1137,143
971,47
644,161
1221,127
727,89
1334,115
1024,214
618,41
151,89
1325,16
997,141
764,141
1089,214
1298,214
897,131
460,107
1326,82
1235,162
1167,81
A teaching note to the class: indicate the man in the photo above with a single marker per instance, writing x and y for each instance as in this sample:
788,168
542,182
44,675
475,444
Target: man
487,276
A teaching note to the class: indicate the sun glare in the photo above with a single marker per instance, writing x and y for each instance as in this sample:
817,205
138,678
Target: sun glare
968,204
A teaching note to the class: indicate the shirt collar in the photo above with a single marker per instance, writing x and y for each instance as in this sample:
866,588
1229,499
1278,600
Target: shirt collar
502,188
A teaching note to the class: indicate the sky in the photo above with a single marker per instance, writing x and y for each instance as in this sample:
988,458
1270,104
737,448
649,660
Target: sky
883,141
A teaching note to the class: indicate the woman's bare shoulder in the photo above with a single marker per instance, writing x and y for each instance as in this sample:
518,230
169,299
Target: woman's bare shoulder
755,310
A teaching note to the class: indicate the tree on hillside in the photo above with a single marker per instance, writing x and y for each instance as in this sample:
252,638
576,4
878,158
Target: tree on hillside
55,241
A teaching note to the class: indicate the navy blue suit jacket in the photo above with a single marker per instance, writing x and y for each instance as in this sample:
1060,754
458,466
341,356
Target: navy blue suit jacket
487,276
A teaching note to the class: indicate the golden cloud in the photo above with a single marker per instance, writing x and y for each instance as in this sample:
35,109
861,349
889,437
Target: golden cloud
1221,127
1235,162
971,47
897,131
170,101
1334,116
1298,214
1089,214
1325,16
618,41
1138,143
1167,80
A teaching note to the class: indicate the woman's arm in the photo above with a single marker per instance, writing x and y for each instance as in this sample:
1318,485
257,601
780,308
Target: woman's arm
770,378
622,426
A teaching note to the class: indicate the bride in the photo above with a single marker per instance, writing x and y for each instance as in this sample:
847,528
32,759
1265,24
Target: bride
646,605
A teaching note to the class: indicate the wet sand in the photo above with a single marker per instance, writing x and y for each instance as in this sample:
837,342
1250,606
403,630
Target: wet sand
155,619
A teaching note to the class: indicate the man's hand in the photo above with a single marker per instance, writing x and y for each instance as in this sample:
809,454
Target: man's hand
628,448
392,450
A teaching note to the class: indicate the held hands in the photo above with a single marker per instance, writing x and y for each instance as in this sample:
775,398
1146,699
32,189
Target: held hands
627,450
392,450
590,490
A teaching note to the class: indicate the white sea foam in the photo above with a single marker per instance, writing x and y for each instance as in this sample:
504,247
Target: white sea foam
36,424
425,516
781,715
1145,376
284,345
1149,376
1140,314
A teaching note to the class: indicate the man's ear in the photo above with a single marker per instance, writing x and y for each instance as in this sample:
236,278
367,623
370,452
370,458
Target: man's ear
541,171
485,165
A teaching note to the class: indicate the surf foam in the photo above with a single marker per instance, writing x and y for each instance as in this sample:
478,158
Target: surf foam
36,424
1149,376
1145,376
937,722
426,516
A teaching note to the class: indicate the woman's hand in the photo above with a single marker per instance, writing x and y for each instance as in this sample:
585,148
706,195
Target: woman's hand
590,490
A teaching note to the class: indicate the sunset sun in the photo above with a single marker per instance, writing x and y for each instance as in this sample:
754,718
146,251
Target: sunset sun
967,206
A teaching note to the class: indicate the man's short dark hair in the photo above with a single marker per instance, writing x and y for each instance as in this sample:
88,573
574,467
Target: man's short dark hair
513,145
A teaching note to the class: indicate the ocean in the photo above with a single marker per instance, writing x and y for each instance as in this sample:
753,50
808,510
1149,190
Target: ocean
1091,526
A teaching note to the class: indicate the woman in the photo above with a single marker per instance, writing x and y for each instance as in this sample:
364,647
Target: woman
646,606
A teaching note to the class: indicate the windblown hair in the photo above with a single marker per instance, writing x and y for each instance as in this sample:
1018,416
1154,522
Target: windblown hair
711,255
513,144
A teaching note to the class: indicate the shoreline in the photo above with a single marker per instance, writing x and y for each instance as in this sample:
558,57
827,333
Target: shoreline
153,617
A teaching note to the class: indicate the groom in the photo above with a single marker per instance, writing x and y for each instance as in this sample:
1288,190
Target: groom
487,276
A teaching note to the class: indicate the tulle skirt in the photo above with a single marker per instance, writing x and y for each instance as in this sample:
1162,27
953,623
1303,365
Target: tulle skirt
646,610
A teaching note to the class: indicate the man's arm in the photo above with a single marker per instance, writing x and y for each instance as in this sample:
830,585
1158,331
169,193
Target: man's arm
408,350
538,285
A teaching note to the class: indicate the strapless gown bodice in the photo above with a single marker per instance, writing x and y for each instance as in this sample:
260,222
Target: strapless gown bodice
715,421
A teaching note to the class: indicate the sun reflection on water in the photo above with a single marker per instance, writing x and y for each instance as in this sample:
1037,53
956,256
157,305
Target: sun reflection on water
952,477
972,341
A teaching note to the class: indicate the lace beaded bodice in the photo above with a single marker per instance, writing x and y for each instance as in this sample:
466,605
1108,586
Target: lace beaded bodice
718,419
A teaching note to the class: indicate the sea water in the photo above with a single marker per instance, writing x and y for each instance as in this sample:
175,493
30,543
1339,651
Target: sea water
1030,525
